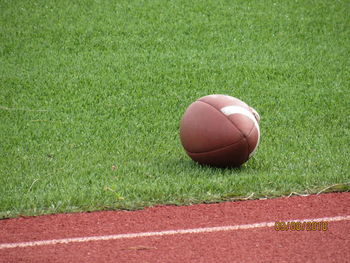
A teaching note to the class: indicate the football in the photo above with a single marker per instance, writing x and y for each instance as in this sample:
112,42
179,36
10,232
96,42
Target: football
220,130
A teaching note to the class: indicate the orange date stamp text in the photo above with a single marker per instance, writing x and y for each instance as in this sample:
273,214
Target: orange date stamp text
301,226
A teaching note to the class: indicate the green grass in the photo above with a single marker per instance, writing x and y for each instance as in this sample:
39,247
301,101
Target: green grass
92,92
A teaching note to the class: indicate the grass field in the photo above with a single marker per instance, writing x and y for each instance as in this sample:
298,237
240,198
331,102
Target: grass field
92,92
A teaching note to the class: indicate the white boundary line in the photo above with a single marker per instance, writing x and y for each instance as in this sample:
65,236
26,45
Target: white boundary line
162,233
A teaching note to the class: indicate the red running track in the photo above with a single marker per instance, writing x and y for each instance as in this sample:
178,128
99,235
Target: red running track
143,236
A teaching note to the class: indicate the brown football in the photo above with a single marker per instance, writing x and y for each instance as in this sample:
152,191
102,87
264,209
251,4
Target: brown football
220,130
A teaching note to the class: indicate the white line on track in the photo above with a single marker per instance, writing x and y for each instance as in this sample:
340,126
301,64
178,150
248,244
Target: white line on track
163,233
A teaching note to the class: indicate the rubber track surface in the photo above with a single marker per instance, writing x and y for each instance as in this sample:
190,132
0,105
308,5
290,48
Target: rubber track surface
254,244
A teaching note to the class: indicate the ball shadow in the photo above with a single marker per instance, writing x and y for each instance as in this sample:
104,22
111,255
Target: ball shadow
192,167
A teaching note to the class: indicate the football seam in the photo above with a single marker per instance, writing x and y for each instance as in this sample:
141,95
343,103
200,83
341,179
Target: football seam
244,137
215,150
248,136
